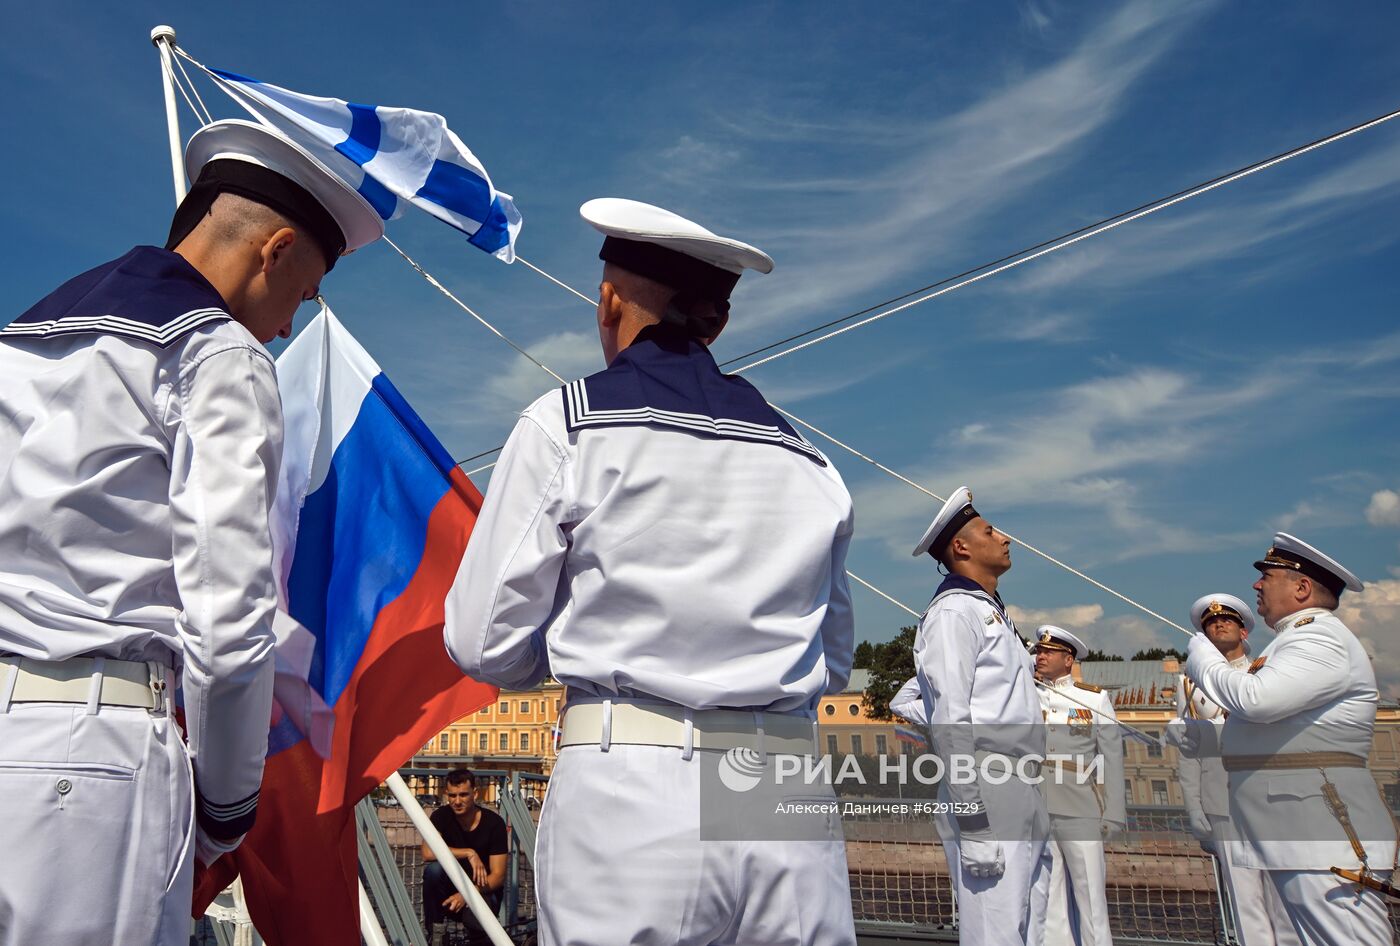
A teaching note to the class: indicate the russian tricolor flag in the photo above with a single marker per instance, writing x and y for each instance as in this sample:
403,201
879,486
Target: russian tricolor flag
371,521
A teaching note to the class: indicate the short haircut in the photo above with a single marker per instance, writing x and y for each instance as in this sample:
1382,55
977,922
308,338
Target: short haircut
458,777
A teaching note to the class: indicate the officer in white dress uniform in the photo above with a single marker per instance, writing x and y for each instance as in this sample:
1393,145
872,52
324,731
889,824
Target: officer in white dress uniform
1295,745
1083,790
662,542
977,683
1260,919
140,436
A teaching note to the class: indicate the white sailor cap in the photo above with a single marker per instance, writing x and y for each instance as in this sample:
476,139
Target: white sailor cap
1296,555
956,513
1050,637
670,249
1209,606
256,162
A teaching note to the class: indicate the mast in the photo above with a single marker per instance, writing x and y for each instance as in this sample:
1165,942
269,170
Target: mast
163,38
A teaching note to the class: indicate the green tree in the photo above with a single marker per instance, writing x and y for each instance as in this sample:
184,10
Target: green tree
865,652
890,664
1097,654
1158,653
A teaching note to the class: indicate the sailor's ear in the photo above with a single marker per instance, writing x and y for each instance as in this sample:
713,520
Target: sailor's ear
277,247
609,305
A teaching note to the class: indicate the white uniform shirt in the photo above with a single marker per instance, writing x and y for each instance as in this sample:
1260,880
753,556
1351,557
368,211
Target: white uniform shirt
1204,782
977,681
135,485
649,562
1315,691
1081,726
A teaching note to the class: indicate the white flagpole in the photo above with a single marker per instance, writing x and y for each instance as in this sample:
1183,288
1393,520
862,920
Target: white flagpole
163,37
443,853
369,925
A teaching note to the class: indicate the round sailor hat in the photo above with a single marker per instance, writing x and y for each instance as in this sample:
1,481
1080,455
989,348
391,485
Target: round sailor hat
956,513
253,161
1050,637
1209,606
1296,555
670,249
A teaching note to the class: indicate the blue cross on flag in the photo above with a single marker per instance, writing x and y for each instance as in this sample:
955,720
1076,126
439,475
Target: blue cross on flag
391,155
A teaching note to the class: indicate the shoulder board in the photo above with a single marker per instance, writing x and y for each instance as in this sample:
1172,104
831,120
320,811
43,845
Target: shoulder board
1088,686
1305,622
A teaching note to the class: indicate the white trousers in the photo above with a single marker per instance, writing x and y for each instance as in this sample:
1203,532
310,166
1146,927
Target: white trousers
1328,911
1077,871
1260,917
96,835
620,860
1008,910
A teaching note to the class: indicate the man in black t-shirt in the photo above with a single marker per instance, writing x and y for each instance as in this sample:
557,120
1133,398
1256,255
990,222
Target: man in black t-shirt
478,840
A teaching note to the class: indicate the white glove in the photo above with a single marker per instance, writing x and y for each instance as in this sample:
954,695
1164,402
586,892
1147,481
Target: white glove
207,850
1200,828
1185,735
1113,831
980,853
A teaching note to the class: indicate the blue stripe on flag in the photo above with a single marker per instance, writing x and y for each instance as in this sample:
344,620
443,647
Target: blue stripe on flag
363,142
494,231
457,189
416,428
360,146
235,77
362,533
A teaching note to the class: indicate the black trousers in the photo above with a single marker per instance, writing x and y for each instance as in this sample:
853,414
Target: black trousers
437,887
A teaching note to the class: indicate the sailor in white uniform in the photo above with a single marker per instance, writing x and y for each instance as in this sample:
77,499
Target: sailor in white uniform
1258,912
1083,790
658,539
140,437
977,683
1295,744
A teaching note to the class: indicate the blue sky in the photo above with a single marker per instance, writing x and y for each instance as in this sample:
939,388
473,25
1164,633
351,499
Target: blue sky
1150,405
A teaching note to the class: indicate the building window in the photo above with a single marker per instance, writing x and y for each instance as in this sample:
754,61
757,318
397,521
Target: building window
556,706
524,740
1154,749
505,741
1128,791
853,709
485,710
524,706
428,747
505,707
856,747
464,744
1159,792
881,745
483,742
831,745
443,742
542,706
829,709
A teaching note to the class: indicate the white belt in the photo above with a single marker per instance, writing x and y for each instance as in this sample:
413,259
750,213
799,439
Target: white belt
611,722
96,681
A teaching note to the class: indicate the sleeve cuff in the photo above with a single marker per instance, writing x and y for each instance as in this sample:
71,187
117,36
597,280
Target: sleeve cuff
226,822
977,822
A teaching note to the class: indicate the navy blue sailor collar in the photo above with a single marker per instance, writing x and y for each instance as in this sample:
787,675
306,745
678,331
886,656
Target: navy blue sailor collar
961,584
667,379
150,294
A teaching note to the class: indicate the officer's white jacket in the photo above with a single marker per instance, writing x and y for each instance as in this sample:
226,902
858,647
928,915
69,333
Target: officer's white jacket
909,703
1314,692
135,485
977,681
629,548
1081,726
1204,784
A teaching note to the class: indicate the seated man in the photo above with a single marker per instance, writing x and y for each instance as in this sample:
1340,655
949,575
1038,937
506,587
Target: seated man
478,840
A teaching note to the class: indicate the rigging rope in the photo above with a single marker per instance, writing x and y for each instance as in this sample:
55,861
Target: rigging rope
1046,247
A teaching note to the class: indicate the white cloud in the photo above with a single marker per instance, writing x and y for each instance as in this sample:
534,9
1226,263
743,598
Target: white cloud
1069,617
1374,615
570,354
1384,508
956,172
1302,512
